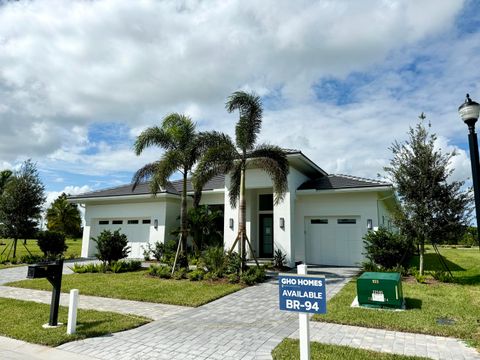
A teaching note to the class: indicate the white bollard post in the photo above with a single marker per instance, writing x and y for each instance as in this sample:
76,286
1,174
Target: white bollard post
72,312
304,325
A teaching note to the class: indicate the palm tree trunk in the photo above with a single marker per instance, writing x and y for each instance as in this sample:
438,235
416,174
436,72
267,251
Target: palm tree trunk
242,219
183,217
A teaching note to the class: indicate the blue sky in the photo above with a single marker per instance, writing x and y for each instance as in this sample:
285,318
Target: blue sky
340,80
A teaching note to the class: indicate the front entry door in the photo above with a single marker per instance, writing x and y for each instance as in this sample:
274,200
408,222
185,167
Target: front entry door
266,235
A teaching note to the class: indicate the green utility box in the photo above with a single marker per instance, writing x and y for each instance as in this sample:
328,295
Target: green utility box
378,289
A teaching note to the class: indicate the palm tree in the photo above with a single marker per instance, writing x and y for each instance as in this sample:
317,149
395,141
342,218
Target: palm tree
64,217
227,157
183,147
5,175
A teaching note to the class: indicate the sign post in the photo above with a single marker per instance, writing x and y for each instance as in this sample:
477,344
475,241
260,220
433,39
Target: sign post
305,294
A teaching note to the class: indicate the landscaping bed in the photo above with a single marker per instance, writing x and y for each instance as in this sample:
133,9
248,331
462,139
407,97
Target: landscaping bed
289,349
426,303
23,320
139,286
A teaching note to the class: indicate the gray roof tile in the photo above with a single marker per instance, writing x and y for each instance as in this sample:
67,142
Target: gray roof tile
339,181
174,187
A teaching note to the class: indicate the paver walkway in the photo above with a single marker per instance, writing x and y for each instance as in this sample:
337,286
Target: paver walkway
434,347
243,325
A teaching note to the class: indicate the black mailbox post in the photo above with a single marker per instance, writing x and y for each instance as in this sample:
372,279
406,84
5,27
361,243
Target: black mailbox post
53,272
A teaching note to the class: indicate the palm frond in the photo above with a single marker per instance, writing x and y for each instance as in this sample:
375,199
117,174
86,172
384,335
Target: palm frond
234,189
153,136
144,174
273,160
181,128
249,124
218,156
158,172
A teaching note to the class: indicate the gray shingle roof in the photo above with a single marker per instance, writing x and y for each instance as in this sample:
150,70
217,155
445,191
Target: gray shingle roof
339,181
174,187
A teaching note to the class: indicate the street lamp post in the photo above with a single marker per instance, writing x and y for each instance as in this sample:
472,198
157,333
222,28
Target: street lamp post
469,112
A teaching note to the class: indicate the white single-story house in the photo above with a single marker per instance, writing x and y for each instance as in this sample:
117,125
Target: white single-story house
321,220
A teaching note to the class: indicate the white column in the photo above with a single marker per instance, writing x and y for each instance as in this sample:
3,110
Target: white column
304,325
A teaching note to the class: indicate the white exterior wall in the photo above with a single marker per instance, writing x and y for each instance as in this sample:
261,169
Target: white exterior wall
384,213
257,183
345,204
164,210
285,238
212,198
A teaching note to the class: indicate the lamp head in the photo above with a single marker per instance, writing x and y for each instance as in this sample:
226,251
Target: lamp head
469,111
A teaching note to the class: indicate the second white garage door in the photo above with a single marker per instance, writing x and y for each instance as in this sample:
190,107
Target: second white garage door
334,241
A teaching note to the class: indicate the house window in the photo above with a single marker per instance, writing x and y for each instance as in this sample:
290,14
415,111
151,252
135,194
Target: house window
346,221
103,222
265,202
132,222
319,221
146,221
117,222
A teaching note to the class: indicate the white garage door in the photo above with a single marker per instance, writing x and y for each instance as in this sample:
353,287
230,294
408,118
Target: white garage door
137,231
334,240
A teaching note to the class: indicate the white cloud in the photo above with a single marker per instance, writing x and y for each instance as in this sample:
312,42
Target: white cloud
70,64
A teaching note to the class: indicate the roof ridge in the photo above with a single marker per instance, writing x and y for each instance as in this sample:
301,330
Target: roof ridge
359,178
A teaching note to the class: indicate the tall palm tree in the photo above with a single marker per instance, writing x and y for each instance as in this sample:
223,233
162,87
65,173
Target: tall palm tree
183,147
5,175
235,158
64,217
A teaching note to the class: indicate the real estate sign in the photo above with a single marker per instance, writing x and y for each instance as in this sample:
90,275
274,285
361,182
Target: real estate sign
302,293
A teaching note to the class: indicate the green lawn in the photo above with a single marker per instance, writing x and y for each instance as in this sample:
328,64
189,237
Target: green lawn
139,286
289,349
425,303
74,249
23,320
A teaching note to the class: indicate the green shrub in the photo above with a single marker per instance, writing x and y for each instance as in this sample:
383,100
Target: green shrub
78,268
51,243
233,278
233,262
147,250
31,259
253,275
213,258
94,268
196,275
180,274
416,274
441,276
158,251
116,267
369,266
111,246
387,249
279,259
211,276
161,271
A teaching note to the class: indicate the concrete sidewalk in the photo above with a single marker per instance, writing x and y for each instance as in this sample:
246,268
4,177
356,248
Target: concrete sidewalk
11,349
